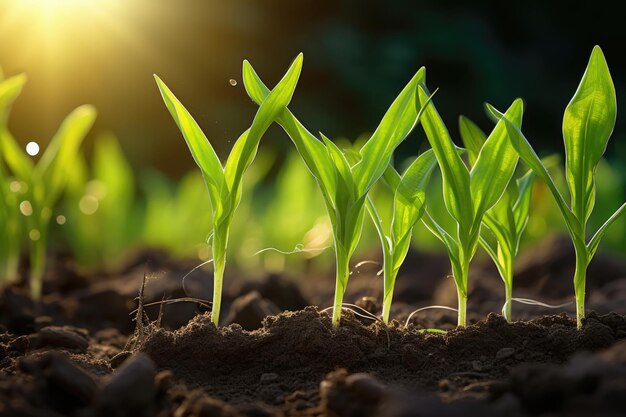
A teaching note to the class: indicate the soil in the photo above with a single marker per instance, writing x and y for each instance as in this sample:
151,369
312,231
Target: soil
78,351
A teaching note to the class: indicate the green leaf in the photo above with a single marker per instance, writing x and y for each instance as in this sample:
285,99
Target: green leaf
395,126
17,161
312,151
10,89
473,138
521,209
530,158
587,125
593,244
495,164
410,195
56,163
456,188
203,153
271,107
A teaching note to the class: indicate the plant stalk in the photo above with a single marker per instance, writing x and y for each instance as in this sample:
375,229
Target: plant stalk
462,305
460,274
37,265
508,298
218,280
390,279
341,281
580,279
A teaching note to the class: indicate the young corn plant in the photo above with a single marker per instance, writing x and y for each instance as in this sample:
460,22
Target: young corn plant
224,182
44,182
587,125
345,186
409,194
506,220
10,190
468,194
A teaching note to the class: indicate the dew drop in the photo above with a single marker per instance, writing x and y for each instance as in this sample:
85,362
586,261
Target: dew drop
32,148
232,82
61,219
26,208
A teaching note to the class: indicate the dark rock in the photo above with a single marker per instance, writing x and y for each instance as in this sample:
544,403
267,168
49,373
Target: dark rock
131,390
250,310
356,395
68,384
61,337
119,359
65,376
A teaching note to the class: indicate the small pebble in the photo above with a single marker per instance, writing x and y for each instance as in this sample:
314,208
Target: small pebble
71,379
62,337
269,377
505,353
131,387
119,359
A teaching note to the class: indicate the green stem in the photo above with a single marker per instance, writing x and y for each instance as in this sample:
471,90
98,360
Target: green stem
462,297
37,265
508,299
460,274
218,280
219,247
341,281
390,279
580,279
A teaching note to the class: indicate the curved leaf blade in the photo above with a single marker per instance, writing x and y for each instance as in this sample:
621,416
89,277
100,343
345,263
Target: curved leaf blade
587,125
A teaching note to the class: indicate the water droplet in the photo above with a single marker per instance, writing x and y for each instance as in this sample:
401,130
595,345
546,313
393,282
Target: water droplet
34,235
88,204
61,219
26,208
232,82
32,148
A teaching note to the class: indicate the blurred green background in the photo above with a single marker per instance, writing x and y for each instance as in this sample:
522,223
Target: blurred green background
358,54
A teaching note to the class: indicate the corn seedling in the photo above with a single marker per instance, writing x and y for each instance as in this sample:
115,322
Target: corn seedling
224,182
409,193
45,182
344,186
468,194
11,190
587,125
506,220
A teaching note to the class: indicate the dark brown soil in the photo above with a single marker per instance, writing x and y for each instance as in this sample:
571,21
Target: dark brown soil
78,352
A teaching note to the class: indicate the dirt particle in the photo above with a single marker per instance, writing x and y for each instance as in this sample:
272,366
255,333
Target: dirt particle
268,377
504,353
